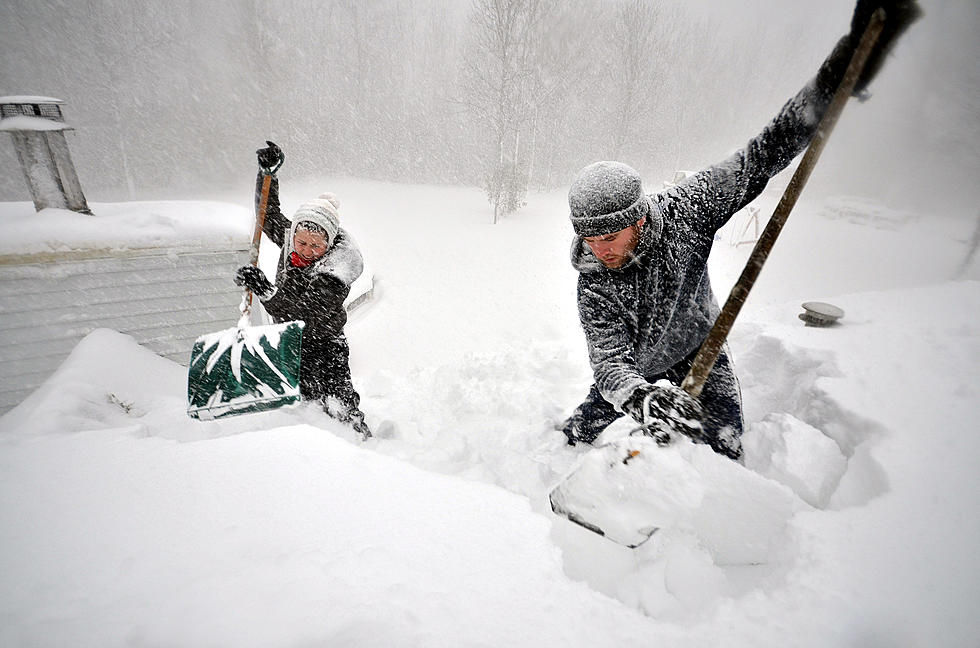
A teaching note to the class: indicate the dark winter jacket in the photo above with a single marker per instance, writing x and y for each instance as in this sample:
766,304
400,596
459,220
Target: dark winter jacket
648,315
314,294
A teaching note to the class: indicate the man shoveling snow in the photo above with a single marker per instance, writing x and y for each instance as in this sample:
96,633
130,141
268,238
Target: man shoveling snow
644,297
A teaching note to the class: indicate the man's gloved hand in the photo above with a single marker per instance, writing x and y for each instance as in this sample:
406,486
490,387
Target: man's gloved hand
899,14
664,408
255,280
270,158
727,443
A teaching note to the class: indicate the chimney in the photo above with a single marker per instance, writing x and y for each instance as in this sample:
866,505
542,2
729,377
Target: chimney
38,129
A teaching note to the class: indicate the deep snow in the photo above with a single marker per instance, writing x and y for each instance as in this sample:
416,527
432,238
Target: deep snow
124,522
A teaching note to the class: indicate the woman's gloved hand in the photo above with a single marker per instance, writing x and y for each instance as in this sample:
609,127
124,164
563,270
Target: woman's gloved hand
270,158
255,280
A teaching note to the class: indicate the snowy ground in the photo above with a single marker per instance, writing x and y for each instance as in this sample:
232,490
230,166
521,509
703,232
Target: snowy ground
123,522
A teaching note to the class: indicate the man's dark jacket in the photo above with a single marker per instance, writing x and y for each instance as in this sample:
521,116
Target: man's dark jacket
647,316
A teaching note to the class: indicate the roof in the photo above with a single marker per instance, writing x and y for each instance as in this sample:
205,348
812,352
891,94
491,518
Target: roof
29,99
116,229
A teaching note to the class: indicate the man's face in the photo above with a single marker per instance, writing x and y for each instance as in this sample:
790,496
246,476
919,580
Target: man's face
615,248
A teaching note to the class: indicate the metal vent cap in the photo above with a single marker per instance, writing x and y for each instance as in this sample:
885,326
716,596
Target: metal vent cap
820,313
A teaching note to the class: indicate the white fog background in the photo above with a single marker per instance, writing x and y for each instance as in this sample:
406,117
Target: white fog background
170,99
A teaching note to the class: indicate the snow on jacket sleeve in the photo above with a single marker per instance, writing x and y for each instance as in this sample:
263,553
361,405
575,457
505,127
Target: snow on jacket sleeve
721,190
610,340
276,224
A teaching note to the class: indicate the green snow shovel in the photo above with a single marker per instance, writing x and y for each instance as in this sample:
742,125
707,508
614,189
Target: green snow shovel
245,369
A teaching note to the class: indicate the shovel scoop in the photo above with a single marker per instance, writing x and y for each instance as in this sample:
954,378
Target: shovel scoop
246,368
242,370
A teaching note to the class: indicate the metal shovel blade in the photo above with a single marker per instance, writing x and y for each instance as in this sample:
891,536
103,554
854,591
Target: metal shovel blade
601,492
243,370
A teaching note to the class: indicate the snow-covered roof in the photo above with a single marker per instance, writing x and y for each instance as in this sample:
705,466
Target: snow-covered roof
32,123
118,228
29,99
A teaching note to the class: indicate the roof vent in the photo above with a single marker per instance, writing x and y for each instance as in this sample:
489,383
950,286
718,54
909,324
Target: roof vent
820,314
38,128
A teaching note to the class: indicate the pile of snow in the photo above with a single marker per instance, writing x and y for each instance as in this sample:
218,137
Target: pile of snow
183,224
631,488
123,521
791,452
279,536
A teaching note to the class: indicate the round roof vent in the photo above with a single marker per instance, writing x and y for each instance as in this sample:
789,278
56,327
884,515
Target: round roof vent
820,314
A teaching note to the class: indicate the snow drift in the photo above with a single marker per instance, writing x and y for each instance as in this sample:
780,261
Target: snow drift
124,522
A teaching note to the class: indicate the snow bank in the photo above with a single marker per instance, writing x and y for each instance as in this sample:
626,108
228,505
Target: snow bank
123,521
797,455
107,381
283,536
280,537
631,488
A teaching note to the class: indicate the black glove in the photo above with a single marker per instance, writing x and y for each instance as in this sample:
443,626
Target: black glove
255,280
270,158
663,409
899,14
727,443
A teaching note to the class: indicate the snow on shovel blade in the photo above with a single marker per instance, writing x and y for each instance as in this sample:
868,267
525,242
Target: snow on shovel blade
242,370
600,493
628,489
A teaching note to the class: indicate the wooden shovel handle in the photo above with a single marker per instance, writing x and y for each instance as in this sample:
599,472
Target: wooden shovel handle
257,237
711,347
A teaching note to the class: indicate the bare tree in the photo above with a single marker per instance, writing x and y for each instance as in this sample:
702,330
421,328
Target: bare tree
971,253
500,78
634,35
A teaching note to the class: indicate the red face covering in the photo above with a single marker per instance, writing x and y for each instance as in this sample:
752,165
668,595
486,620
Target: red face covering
297,261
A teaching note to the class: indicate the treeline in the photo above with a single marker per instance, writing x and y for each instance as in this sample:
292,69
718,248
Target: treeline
503,94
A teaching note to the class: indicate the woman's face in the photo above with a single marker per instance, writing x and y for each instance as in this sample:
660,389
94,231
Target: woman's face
310,246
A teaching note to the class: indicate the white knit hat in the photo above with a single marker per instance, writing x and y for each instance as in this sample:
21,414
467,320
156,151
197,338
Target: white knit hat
323,211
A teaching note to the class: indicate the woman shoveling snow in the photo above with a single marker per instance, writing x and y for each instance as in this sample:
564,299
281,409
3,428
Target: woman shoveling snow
318,262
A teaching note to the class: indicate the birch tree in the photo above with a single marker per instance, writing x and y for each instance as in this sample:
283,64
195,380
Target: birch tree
500,74
634,35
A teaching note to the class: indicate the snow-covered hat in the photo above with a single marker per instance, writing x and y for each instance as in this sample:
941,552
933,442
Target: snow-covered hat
323,211
606,197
